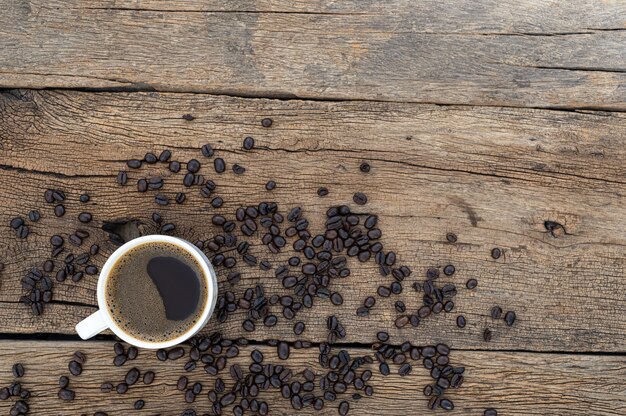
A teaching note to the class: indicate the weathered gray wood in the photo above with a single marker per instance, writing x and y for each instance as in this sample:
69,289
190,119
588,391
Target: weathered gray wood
511,53
493,176
513,383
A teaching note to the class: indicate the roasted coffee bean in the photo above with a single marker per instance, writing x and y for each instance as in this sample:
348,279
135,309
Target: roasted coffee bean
360,198
267,122
207,150
344,408
148,377
174,167
248,325
139,404
65,394
384,369
248,143
106,387
401,321
365,167
119,360
180,197
150,158
446,404
197,388
490,412
122,178
18,370
75,368
471,283
322,191
133,163
80,357
161,199
496,253
451,237
142,185
487,335
16,223
496,312
59,210
449,270
217,202
182,383
84,198
405,369
238,169
175,353
85,217
121,388
63,382
193,166
270,185
509,318
56,240
283,350
336,298
165,155
270,320
219,165
132,376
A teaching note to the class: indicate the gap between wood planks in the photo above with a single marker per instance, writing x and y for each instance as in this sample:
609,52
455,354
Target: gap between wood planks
285,96
54,337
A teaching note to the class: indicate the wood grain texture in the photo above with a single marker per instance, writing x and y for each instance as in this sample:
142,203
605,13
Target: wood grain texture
513,383
492,176
501,53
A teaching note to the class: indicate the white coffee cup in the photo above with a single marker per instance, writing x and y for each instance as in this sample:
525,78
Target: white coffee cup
102,319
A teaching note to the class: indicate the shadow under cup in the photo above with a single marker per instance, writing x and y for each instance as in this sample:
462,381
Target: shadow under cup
138,283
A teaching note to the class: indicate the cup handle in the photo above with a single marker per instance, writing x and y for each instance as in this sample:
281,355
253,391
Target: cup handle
91,325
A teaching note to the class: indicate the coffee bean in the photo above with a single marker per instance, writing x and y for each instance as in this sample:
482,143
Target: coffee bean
446,404
509,318
270,185
18,370
79,357
248,143
148,377
22,231
175,353
405,370
283,350
267,122
119,360
471,283
238,169
63,382
84,198
161,199
248,325
496,312
401,321
139,404
150,158
84,217
197,388
344,408
132,376
104,387
207,150
298,328
336,298
134,163
180,197
193,166
121,388
322,191
365,167
448,270
487,335
122,177
65,394
360,198
16,223
174,166
219,165
94,249
490,412
59,210
142,185
91,270
75,368
496,253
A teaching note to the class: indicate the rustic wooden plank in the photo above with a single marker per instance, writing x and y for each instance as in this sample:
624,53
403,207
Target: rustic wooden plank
514,383
512,53
472,171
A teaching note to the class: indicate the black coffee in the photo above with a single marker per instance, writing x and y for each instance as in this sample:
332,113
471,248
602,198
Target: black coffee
156,291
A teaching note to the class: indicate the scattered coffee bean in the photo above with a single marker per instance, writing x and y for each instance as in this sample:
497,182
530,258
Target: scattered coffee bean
509,318
451,237
239,170
59,210
471,283
148,377
84,198
266,122
487,335
248,143
34,215
496,253
322,191
270,185
85,217
65,394
139,404
490,412
460,321
18,370
150,158
365,167
122,177
219,165
496,312
360,198
207,150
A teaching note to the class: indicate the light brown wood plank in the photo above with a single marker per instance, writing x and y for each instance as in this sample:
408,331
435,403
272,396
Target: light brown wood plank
471,171
557,54
513,383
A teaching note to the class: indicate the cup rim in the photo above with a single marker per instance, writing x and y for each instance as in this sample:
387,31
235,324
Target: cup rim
205,265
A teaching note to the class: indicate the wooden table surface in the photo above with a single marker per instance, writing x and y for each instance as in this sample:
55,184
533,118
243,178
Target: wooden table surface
499,121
